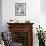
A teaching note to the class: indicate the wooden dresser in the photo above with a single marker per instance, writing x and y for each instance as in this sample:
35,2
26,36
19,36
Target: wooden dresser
22,33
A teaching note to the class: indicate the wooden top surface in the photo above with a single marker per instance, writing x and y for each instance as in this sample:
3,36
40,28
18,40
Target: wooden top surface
19,23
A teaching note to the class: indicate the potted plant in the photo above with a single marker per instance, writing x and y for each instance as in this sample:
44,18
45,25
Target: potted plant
41,36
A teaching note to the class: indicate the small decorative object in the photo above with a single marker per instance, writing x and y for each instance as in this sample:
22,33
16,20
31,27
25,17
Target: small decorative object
41,36
27,21
13,21
20,9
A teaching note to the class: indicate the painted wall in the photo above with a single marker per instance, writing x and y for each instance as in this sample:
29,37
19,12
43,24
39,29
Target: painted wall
43,14
0,15
32,11
43,6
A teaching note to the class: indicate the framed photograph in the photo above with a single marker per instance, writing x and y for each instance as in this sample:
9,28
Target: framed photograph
20,9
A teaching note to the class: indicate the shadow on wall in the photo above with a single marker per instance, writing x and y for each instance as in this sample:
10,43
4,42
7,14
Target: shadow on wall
0,15
43,6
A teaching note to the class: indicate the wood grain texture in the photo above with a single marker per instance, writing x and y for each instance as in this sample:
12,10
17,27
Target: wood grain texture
23,27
